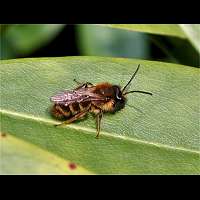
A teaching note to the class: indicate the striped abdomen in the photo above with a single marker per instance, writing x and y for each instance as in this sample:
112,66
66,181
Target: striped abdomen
64,112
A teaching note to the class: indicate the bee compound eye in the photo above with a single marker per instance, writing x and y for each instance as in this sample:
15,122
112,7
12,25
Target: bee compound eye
118,97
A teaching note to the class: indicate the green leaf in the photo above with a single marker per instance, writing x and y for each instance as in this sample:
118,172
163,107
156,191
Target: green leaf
20,157
163,138
21,40
104,41
161,29
193,33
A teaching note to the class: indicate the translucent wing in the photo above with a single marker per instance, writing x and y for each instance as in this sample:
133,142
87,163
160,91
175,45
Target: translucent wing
81,95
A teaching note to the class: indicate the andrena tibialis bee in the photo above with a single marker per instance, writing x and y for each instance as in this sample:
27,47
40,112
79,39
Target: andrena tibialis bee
72,105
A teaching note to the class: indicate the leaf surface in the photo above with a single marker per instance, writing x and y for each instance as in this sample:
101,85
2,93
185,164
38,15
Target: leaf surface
163,137
20,157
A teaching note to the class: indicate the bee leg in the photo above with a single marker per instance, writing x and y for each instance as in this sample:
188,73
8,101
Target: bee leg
98,121
74,118
78,83
82,85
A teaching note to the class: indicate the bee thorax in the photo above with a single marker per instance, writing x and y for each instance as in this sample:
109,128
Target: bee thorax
108,106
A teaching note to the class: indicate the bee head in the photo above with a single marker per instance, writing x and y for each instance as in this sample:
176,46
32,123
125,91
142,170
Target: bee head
120,100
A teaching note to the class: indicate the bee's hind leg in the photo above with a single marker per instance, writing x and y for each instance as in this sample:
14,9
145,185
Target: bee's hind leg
74,118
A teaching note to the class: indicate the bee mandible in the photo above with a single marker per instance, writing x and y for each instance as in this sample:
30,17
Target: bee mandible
72,105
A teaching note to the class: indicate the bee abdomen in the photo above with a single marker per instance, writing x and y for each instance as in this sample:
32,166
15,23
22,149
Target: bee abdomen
61,111
74,108
84,105
79,107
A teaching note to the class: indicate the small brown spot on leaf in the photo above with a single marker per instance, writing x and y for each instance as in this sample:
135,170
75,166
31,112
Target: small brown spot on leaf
3,135
72,166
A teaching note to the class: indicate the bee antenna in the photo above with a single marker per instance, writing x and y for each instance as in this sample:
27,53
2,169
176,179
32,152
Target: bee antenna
138,92
131,79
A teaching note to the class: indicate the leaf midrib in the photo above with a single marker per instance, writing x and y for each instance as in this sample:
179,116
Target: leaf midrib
90,130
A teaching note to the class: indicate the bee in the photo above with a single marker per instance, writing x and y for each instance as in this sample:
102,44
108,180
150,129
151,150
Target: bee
72,105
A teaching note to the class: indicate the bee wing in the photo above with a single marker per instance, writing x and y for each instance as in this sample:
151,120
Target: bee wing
66,97
89,94
81,95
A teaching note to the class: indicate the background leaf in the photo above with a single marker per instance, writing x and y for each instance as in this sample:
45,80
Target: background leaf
103,41
161,29
20,40
95,40
193,33
162,138
20,157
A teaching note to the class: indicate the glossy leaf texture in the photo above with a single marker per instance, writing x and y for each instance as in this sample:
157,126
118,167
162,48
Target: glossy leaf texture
156,134
193,33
